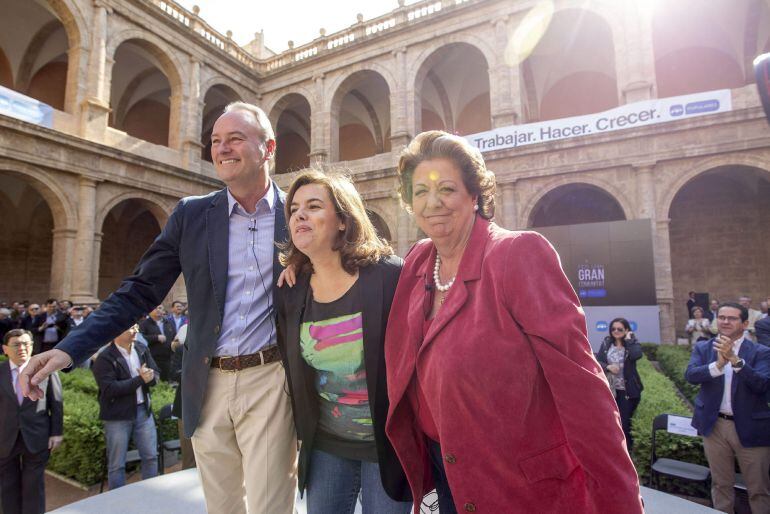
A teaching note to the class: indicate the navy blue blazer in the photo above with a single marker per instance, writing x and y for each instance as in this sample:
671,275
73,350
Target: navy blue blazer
762,331
749,388
194,242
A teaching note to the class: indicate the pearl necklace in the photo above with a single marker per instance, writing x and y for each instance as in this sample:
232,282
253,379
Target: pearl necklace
441,287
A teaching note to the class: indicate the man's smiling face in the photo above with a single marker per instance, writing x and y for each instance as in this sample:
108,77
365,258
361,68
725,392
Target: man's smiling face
238,148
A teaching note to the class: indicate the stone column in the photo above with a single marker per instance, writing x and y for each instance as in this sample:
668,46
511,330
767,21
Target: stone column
82,269
95,109
645,185
508,208
400,134
504,89
634,56
320,125
176,124
61,262
97,260
664,283
191,139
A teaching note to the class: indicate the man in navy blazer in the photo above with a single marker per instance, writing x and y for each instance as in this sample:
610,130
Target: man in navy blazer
234,404
731,410
762,331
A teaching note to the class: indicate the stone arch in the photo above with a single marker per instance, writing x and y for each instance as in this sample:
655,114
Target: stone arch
291,117
33,52
277,103
699,167
605,186
221,80
168,60
333,89
154,203
62,207
358,145
417,66
73,20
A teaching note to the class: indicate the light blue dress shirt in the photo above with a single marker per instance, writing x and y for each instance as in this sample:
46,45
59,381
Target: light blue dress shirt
248,325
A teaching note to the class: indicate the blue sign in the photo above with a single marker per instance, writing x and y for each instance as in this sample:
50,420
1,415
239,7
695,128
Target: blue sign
592,293
601,326
633,325
702,106
676,110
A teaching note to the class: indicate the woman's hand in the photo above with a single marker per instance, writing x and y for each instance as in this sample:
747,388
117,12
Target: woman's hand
288,276
613,368
629,335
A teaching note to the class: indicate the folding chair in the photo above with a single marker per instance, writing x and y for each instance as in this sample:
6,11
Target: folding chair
671,467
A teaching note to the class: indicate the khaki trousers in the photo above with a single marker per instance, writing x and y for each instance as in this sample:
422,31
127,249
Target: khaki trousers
245,443
722,447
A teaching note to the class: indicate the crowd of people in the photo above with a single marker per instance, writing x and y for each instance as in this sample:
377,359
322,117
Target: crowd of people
703,322
464,367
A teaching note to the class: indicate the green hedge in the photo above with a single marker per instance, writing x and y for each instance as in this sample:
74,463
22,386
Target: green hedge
650,350
660,397
673,362
82,453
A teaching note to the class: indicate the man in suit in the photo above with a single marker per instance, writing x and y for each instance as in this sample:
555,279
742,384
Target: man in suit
177,314
158,331
224,244
762,328
29,430
124,373
50,326
731,411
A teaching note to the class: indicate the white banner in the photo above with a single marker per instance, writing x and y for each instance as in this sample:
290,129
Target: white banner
634,115
25,108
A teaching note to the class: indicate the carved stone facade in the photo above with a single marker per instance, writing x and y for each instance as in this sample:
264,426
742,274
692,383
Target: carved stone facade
137,85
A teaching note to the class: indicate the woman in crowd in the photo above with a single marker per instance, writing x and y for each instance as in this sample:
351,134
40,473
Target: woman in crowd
698,327
618,355
495,396
332,327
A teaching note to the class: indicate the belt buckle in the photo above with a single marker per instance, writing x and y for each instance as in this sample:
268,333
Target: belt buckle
222,359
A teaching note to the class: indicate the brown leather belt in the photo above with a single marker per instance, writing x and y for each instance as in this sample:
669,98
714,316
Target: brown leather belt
240,362
726,416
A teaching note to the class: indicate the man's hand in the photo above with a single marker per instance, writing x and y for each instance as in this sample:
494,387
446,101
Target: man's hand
54,442
723,344
38,369
161,338
175,344
146,373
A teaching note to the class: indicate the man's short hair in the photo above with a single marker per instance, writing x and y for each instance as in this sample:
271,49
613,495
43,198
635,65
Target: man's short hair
51,300
736,305
177,302
259,116
16,332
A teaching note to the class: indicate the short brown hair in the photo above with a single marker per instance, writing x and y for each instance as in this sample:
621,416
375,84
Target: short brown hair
359,244
437,144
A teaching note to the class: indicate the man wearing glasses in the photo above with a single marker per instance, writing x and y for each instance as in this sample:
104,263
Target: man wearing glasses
731,411
30,430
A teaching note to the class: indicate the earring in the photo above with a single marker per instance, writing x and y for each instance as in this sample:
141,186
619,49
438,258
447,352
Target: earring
476,207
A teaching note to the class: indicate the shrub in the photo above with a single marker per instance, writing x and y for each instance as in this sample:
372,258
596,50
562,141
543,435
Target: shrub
82,453
660,397
650,350
673,362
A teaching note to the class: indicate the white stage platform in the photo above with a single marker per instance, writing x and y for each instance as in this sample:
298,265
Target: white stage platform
180,493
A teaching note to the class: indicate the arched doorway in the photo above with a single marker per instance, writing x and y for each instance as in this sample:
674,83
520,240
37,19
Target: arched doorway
128,230
453,85
292,133
26,241
362,120
572,204
718,222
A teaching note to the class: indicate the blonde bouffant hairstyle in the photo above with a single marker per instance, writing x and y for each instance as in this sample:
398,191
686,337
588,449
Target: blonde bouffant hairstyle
359,245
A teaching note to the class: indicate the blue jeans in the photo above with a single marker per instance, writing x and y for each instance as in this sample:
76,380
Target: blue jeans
333,484
118,434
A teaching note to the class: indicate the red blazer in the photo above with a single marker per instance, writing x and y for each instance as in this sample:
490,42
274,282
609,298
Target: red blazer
525,417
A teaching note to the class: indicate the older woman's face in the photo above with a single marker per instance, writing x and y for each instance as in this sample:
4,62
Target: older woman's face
442,205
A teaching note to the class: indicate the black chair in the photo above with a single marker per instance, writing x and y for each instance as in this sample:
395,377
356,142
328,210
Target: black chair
670,467
171,445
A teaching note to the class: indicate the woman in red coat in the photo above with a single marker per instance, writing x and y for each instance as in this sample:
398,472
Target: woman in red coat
495,396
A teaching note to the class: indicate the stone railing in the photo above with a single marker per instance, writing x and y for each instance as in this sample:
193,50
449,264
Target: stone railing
362,29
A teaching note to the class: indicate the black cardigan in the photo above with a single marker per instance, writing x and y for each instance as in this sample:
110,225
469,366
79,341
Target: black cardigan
117,388
634,384
377,284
